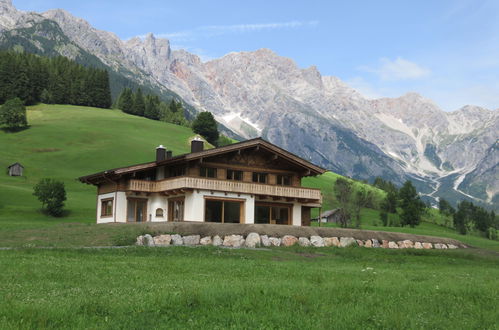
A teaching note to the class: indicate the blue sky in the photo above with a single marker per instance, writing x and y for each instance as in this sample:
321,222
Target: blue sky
445,50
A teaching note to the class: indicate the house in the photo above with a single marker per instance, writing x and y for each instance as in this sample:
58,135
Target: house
247,182
331,216
16,169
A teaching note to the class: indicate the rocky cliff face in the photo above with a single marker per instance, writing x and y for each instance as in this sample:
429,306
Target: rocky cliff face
320,118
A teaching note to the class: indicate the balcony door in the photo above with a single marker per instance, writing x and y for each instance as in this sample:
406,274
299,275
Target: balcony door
278,214
176,209
137,210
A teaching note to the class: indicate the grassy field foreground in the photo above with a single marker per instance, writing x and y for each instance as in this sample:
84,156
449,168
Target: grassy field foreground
207,287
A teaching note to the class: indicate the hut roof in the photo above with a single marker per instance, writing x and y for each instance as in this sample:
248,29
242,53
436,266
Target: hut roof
16,163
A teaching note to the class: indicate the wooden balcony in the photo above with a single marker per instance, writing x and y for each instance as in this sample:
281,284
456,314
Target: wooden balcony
306,195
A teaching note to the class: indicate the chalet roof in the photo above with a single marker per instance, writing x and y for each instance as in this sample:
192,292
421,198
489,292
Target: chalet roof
16,163
257,142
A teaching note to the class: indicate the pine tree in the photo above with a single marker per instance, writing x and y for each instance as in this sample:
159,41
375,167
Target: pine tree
412,207
206,126
125,100
139,106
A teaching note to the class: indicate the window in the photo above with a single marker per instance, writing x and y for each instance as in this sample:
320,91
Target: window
284,180
222,211
159,213
272,213
174,171
234,175
208,172
260,177
106,207
137,210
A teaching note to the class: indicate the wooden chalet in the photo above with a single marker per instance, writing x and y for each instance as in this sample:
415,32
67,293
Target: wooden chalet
248,182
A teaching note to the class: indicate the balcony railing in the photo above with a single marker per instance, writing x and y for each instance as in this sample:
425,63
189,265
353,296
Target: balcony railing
225,185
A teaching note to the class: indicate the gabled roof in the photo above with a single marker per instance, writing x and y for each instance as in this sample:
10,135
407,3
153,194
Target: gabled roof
257,142
16,163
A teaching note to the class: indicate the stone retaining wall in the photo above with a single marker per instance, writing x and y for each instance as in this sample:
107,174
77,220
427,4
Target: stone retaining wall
253,240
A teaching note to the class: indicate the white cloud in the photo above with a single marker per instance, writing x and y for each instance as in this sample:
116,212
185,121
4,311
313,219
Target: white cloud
216,30
398,69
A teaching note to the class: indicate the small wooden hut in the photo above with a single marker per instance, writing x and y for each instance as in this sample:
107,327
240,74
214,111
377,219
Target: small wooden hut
16,169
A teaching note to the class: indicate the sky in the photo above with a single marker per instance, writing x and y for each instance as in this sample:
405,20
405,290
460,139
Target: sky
447,51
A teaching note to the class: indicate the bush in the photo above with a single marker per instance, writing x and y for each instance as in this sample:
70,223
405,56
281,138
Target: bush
492,233
52,195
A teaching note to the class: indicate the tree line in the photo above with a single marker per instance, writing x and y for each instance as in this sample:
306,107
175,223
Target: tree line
60,80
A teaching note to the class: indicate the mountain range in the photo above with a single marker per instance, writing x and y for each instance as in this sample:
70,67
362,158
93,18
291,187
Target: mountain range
452,155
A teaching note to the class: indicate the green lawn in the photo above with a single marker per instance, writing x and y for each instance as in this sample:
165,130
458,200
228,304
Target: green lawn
214,288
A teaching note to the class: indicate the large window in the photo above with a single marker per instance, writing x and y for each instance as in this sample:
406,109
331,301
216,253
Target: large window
260,177
279,214
174,171
208,172
234,175
222,211
284,180
106,207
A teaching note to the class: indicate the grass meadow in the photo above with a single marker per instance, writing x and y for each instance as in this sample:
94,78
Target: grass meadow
215,288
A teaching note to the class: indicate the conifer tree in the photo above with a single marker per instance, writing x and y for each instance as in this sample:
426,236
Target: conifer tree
138,107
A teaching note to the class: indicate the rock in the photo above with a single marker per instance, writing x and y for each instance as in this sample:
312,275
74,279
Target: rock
275,241
303,241
162,240
265,240
233,241
206,240
368,243
392,245
444,246
140,240
375,243
191,240
289,240
252,240
347,241
384,244
217,241
427,246
331,241
360,242
408,244
317,241
452,246
148,240
440,246
401,245
177,240
418,245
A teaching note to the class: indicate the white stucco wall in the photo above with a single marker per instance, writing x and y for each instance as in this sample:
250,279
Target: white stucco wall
296,218
156,201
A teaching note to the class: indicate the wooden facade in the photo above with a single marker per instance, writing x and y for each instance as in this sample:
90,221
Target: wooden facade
227,184
15,169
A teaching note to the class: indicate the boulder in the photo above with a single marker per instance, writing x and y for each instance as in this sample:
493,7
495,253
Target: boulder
177,240
289,240
162,240
317,241
148,240
206,240
427,246
444,246
265,240
418,245
368,243
252,240
376,243
303,241
408,244
360,242
347,241
452,246
275,241
401,245
331,241
235,241
384,244
217,241
392,245
191,240
140,240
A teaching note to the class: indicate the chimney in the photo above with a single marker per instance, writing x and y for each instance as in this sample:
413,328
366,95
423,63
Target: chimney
169,154
160,153
197,145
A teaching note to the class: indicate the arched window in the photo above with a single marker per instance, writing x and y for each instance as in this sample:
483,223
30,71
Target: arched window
159,213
